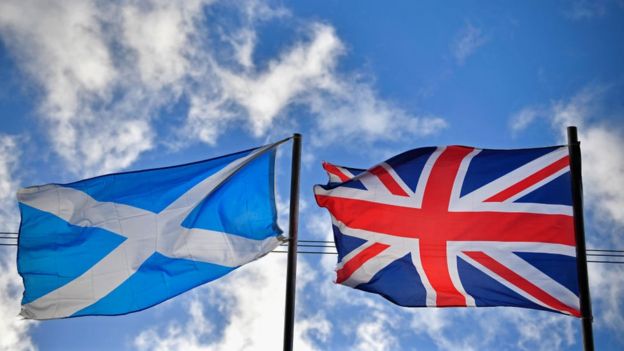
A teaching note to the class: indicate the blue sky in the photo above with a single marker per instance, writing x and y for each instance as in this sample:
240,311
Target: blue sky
89,88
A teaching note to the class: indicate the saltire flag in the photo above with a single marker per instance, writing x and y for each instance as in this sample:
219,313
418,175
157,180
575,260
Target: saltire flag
458,226
124,242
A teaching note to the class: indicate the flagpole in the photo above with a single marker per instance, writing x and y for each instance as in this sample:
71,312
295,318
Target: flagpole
574,147
293,222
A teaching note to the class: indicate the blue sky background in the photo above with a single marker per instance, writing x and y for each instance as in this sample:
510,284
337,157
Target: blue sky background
88,87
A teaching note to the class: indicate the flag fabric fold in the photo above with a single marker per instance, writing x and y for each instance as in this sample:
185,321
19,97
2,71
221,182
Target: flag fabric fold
124,242
458,226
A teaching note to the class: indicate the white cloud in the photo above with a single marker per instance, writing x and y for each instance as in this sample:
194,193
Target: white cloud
599,133
251,301
319,226
600,168
353,112
107,146
607,292
376,334
495,328
14,330
159,34
537,330
94,103
9,158
178,337
304,75
105,70
523,118
64,50
244,39
108,70
468,40
587,9
306,66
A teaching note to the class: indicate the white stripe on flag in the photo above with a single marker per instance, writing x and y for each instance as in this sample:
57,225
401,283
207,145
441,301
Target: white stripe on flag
146,232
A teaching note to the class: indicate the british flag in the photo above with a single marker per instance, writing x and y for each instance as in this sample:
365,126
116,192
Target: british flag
458,226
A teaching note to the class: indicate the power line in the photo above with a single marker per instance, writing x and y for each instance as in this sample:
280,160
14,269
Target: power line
603,250
612,262
335,253
11,240
604,255
309,252
330,243
312,245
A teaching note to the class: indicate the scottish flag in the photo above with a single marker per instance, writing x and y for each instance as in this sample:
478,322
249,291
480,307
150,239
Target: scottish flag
124,242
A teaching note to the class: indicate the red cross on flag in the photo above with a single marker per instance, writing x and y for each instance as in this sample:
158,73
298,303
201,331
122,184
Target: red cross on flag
458,226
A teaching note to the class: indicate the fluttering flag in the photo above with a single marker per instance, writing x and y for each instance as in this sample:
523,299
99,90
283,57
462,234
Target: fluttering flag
124,242
458,226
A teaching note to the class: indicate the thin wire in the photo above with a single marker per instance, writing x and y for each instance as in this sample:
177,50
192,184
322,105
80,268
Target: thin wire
604,255
308,245
309,252
11,235
602,250
335,253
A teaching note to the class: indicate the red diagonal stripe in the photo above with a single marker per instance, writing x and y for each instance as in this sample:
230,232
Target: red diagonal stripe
531,180
521,283
335,171
388,181
358,260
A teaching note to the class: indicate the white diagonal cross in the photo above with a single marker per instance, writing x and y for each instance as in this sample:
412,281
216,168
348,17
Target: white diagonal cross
145,232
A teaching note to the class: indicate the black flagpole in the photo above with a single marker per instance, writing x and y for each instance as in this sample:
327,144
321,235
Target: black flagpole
574,147
291,274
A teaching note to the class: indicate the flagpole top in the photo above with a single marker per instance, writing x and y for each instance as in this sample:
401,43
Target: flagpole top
572,135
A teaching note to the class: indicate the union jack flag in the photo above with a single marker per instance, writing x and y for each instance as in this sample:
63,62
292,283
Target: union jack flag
458,226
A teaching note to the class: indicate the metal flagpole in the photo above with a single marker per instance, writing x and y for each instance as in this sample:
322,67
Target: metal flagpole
291,274
574,147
